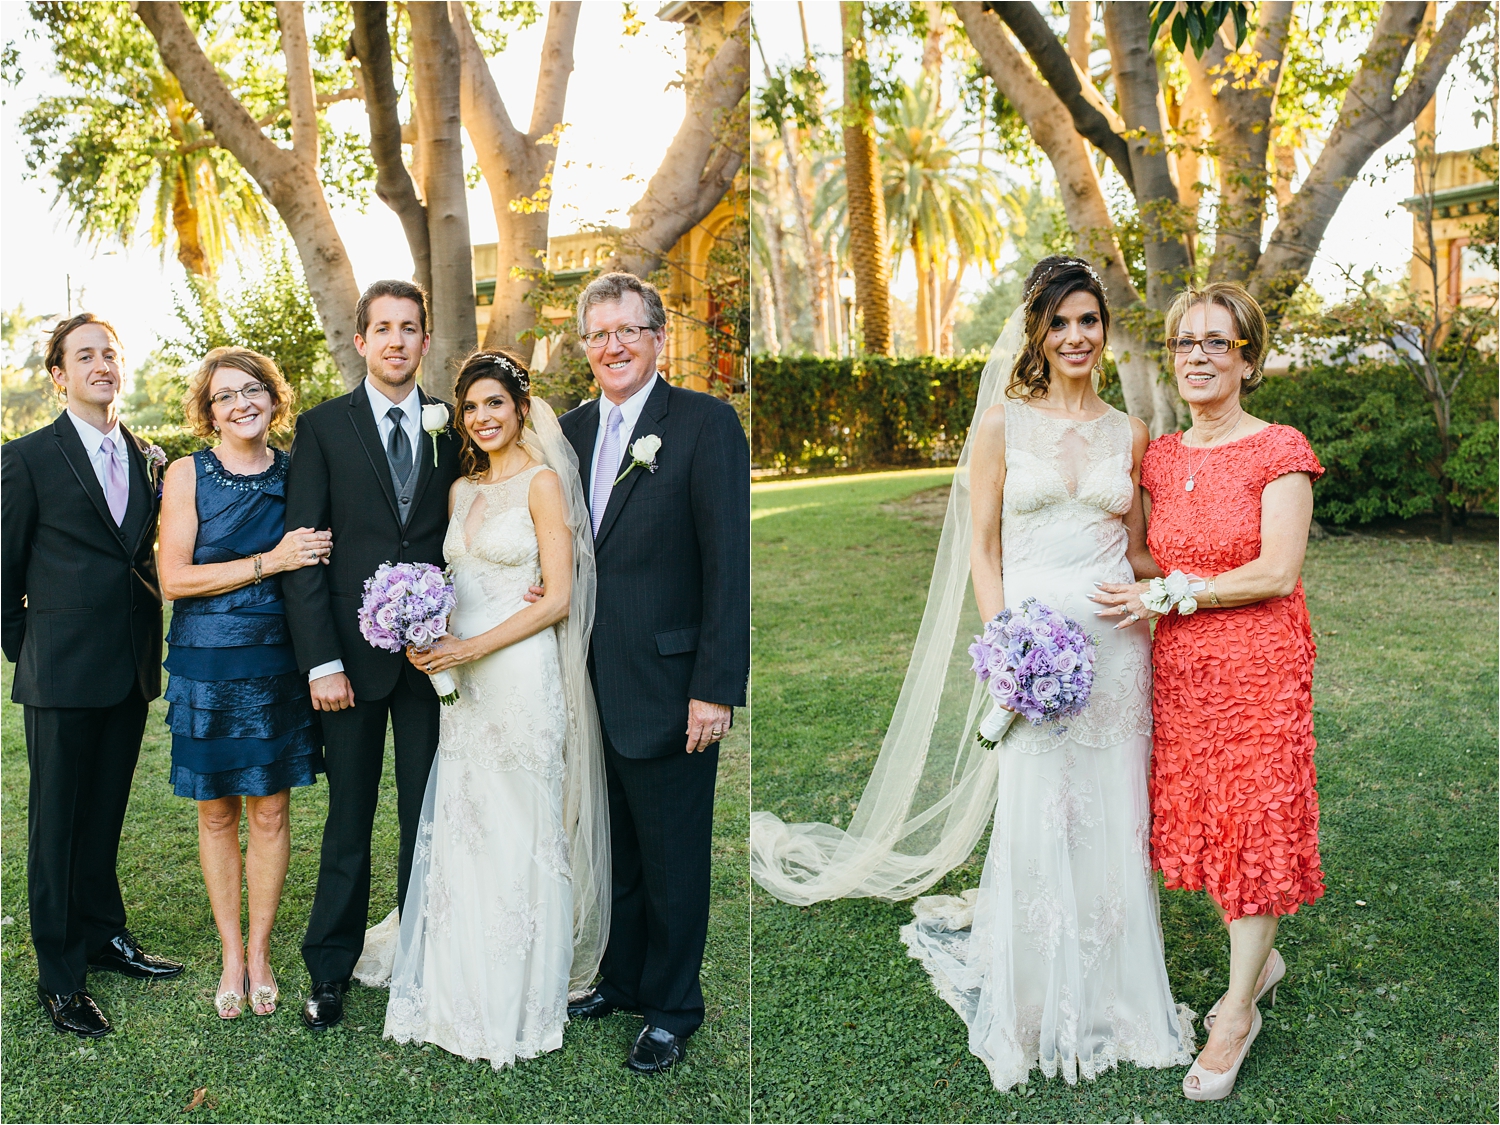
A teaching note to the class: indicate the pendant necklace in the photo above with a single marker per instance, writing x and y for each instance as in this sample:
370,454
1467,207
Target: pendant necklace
1192,472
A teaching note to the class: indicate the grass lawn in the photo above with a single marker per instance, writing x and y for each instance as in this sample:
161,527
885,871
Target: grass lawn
1388,1011
168,1042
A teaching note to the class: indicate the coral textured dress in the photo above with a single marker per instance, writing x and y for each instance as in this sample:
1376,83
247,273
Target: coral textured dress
1233,789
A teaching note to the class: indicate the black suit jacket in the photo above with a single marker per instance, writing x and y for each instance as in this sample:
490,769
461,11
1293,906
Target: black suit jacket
340,479
672,621
80,599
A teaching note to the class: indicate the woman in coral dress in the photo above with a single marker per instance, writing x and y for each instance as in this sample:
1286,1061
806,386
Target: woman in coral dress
1233,788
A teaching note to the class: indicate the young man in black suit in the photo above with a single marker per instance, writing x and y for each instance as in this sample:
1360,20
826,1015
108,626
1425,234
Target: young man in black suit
82,623
363,467
667,473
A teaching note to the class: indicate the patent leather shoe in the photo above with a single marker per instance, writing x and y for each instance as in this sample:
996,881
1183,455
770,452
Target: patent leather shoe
592,1006
655,1050
123,954
75,1012
324,1007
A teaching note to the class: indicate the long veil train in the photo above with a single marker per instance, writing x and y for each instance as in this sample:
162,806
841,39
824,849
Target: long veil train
933,788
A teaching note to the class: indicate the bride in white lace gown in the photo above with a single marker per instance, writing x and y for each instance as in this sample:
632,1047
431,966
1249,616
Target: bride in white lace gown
492,917
1055,961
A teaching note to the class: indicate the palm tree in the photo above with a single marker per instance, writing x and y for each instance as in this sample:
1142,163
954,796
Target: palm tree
864,201
941,203
124,138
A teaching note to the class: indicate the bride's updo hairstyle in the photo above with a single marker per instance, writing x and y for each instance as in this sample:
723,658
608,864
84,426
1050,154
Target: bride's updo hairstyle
511,374
1049,281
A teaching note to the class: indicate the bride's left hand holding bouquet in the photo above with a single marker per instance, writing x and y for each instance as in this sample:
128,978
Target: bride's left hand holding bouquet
408,604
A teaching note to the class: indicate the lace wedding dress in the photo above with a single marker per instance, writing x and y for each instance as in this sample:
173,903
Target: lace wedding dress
487,935
1055,960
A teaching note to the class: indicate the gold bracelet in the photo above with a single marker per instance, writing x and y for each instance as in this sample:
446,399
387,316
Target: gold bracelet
256,559
1213,597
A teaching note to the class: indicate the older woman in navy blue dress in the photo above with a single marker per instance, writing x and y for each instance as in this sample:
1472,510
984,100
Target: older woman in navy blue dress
243,728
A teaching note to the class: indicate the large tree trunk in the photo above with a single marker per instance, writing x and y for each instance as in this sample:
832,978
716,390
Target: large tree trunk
778,321
289,178
1127,29
702,161
1050,125
393,183
1371,114
517,166
817,276
1239,115
866,211
436,74
185,227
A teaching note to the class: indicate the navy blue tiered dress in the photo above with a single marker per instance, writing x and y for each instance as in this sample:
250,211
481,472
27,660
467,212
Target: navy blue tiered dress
241,718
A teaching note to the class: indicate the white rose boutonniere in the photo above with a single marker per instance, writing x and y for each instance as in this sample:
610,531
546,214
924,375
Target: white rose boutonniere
642,452
434,421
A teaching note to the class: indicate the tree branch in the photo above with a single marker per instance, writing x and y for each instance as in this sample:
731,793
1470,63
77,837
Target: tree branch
351,94
1051,125
393,183
1369,117
228,120
1059,72
1127,28
701,161
556,69
300,95
1239,112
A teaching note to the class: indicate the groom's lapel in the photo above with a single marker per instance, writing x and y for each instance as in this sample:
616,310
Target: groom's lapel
650,422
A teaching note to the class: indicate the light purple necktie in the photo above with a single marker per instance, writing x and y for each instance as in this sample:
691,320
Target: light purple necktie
605,467
116,487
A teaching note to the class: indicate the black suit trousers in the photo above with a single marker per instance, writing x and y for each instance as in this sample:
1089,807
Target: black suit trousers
354,753
82,760
661,816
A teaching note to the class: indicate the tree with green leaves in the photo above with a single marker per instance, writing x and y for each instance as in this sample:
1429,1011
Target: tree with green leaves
28,397
124,139
1220,69
288,176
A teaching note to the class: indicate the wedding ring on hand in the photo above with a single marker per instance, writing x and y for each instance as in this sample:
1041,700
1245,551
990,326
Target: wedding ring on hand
1134,617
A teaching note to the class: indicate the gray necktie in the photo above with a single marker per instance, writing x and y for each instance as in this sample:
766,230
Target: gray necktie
398,445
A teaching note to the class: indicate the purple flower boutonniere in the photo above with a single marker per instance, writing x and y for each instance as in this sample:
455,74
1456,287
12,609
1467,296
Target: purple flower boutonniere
156,464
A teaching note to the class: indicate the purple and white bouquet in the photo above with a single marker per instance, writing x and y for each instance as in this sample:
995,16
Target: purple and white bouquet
1036,663
408,604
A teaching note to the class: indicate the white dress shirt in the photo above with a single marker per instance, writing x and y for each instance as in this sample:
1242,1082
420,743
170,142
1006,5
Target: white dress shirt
93,444
630,414
411,410
411,422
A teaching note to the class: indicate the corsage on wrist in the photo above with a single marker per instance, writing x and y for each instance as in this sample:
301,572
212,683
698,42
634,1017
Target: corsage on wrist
1176,590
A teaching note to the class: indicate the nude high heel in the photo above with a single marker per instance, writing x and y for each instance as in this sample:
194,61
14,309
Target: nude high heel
1213,1087
1276,969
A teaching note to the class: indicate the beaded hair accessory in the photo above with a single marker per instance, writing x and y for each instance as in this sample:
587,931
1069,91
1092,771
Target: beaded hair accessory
1044,279
510,365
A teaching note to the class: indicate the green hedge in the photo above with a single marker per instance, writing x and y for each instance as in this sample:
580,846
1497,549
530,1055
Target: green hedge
809,412
1368,423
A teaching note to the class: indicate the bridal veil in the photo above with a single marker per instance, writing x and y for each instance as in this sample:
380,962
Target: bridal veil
933,789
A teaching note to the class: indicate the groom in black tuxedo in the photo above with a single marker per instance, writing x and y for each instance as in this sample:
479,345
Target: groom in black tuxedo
363,467
81,609
667,473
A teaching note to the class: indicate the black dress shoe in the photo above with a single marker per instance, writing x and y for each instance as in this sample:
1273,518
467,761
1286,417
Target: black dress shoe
325,1006
655,1050
75,1012
591,1007
124,955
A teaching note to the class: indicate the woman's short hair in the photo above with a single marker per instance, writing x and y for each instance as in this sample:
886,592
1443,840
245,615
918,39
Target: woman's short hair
1249,321
197,409
1049,281
57,342
614,286
510,373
